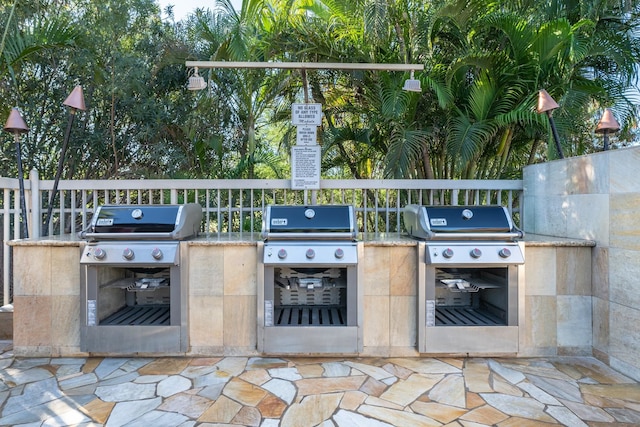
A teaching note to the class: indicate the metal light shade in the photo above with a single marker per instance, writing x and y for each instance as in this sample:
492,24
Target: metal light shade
196,82
15,124
546,102
75,99
607,123
412,85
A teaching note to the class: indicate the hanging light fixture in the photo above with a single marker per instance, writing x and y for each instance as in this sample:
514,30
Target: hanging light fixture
608,123
411,84
546,104
196,82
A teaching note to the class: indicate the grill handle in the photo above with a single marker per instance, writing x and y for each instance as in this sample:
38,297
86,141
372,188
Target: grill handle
476,236
128,236
309,236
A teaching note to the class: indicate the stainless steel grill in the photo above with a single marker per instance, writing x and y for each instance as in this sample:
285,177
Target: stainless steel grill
133,301
469,278
308,292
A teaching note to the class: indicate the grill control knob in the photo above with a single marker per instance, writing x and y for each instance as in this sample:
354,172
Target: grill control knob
127,254
339,253
99,254
476,253
310,253
156,253
447,253
282,254
504,253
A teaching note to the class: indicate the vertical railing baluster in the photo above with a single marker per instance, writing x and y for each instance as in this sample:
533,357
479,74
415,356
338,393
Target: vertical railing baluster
73,211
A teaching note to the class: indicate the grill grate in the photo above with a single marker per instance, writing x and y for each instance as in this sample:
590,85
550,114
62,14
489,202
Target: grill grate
465,316
156,315
302,296
311,316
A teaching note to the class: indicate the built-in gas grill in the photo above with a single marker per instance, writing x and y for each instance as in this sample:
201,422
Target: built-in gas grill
308,296
469,281
133,301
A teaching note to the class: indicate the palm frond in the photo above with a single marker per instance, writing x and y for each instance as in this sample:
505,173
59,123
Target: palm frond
467,138
404,148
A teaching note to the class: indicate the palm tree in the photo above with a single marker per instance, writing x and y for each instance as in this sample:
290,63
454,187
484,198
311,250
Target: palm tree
494,60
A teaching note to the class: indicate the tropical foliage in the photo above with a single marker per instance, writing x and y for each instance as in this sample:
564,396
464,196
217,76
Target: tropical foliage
484,63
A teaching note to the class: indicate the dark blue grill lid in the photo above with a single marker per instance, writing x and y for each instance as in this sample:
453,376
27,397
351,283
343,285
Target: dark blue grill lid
309,219
136,219
478,219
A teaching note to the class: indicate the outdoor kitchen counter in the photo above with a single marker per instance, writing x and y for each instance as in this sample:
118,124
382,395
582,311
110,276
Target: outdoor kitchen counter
221,272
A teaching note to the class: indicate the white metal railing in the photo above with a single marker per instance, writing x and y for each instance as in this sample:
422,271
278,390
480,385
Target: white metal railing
236,206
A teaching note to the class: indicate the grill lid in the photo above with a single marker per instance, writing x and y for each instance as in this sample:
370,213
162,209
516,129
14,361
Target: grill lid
460,223
136,222
309,222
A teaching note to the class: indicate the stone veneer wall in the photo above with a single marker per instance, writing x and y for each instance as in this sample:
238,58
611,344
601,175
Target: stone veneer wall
46,294
557,315
597,197
222,299
390,300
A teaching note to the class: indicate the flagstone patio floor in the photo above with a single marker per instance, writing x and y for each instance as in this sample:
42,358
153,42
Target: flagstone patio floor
336,392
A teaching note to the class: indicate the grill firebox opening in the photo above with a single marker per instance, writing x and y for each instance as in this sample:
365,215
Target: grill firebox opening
471,297
318,298
138,297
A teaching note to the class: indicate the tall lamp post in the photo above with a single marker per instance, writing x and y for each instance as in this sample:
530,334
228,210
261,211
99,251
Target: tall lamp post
546,104
607,124
75,102
16,125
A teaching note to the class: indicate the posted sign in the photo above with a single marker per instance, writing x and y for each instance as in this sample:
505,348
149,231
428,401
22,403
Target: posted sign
306,135
305,167
306,114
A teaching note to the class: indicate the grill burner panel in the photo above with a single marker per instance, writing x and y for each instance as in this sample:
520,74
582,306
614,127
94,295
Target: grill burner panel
131,253
469,253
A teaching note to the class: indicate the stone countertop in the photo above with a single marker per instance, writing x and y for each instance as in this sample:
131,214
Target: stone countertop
401,239
542,240
241,239
251,238
63,240
387,239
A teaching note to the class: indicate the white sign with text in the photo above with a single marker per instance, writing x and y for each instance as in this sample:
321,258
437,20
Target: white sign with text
305,167
306,114
306,135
